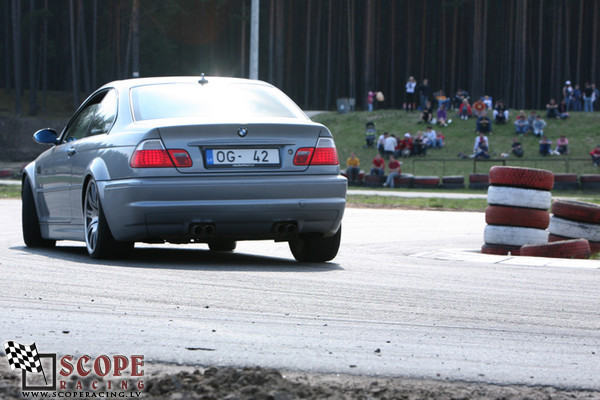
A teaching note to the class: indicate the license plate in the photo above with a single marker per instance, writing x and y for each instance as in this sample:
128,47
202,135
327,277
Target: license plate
241,157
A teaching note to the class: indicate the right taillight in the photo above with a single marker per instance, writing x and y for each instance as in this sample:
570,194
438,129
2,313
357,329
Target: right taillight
324,154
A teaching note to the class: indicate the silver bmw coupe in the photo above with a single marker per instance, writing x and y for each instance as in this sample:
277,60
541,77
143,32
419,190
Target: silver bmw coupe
186,160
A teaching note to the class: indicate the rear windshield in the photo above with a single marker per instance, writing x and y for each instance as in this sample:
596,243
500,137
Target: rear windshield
190,100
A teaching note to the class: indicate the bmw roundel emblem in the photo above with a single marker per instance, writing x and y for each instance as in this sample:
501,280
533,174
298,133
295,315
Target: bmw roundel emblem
242,132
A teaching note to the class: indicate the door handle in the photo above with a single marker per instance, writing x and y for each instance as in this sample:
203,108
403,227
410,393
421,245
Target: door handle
71,151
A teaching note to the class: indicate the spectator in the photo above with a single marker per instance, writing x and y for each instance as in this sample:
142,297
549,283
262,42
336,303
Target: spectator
352,168
394,167
406,145
442,116
427,113
425,94
464,110
588,96
595,96
487,100
576,99
545,145
552,110
483,124
441,98
479,108
500,112
531,119
460,96
378,166
389,145
411,85
517,148
538,126
595,153
562,109
562,145
481,147
419,147
370,98
381,143
430,138
567,93
521,125
439,140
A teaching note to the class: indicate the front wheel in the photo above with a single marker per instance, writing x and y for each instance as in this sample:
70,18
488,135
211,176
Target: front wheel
313,247
99,240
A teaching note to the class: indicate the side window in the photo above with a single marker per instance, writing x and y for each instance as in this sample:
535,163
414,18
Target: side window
97,117
79,126
106,113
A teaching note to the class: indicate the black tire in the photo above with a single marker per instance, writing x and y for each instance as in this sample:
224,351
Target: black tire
313,247
222,245
99,241
32,235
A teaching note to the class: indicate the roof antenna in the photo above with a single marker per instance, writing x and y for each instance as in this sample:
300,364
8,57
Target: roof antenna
202,80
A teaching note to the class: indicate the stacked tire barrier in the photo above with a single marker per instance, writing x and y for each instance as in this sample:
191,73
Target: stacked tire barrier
575,220
517,212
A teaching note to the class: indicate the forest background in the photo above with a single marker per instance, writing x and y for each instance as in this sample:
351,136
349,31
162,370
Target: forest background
314,50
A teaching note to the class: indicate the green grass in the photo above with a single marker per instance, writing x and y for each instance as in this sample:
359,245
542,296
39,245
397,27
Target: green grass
582,130
10,191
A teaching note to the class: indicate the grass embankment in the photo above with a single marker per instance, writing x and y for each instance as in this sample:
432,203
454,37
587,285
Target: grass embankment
582,130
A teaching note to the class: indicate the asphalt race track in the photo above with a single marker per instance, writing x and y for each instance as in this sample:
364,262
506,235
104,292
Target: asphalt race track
408,295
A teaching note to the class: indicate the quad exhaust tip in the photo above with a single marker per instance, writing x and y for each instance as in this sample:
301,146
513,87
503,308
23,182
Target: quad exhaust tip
203,230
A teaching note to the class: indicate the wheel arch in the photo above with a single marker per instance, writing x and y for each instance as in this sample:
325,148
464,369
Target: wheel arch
96,170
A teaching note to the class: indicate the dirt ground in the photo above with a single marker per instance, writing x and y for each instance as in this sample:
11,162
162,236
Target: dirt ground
180,383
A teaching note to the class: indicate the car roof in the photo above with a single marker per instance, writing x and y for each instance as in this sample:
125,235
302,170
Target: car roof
130,83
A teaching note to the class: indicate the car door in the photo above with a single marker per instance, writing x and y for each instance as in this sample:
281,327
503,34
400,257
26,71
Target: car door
53,171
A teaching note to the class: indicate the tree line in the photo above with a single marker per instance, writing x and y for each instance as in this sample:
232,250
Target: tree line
314,50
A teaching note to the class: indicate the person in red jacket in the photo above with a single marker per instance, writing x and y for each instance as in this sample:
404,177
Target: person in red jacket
596,156
378,166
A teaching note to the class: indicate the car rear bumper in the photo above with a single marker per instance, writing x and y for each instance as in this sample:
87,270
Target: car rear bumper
235,208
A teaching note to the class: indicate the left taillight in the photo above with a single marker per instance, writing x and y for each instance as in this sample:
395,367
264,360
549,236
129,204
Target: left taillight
152,154
324,153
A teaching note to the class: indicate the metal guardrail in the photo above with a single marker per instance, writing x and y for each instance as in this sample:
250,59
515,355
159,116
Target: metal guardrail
567,161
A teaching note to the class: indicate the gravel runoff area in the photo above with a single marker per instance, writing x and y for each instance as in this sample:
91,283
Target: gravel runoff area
182,382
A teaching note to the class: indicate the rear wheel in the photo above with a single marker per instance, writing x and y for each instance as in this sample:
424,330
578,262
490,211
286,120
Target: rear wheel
30,222
313,247
99,240
222,245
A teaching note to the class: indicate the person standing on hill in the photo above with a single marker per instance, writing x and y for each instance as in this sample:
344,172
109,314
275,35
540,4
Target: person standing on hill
411,86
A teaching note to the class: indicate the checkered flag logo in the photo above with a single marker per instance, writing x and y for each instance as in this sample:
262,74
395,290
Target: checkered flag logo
23,357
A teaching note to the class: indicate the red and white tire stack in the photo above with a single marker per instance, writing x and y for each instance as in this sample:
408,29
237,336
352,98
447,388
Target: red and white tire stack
517,212
575,220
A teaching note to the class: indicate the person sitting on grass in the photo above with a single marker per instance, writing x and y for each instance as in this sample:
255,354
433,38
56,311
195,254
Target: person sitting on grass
562,145
481,147
517,148
378,166
521,125
394,167
405,146
596,156
353,169
545,145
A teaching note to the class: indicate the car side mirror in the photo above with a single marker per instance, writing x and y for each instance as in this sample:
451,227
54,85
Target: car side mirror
46,136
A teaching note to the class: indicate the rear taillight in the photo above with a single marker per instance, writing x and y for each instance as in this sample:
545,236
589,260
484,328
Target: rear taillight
324,154
152,154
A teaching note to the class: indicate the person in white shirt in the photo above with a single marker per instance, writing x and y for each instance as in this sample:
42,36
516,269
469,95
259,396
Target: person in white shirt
411,84
390,145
